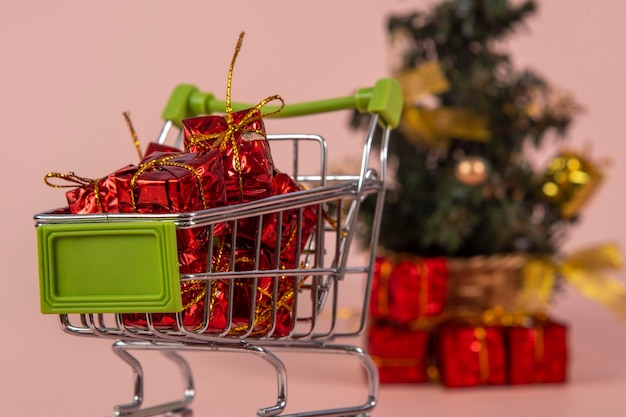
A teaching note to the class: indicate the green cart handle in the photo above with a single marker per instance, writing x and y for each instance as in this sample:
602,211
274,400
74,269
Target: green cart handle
384,99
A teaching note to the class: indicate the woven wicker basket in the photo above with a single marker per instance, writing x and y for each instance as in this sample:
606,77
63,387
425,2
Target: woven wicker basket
480,283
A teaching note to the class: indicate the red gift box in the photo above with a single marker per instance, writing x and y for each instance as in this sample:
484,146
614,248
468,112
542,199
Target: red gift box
248,164
538,354
400,353
166,182
408,289
91,196
468,355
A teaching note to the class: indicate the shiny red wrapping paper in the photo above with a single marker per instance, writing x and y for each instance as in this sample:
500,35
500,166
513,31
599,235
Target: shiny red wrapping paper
85,200
248,164
166,182
400,354
159,147
469,356
538,354
405,290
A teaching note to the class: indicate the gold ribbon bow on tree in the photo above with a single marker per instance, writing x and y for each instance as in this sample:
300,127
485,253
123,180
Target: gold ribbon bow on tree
226,137
435,126
586,270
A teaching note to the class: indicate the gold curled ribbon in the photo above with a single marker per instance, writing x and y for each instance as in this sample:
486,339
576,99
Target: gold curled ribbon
160,163
75,181
586,270
222,139
133,134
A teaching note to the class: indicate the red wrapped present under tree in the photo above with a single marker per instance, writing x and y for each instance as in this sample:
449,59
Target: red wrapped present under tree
469,355
538,354
406,289
400,354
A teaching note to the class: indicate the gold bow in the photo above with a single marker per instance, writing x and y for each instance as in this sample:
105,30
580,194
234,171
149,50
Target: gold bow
75,181
586,270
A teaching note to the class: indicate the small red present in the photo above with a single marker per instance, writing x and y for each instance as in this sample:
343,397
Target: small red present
166,182
468,355
538,354
400,353
408,289
88,196
248,164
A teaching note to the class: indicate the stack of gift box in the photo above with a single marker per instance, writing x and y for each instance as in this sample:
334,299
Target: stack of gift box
415,336
226,161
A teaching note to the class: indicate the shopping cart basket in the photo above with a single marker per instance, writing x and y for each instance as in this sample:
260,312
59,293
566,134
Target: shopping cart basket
116,276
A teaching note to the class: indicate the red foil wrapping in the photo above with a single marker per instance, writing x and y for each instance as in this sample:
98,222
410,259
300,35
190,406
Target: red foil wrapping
400,354
469,356
248,164
538,354
408,289
99,196
172,183
159,147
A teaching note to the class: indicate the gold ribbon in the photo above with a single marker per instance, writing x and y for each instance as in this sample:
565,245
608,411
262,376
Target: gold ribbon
226,137
133,134
75,180
436,126
586,270
383,287
483,355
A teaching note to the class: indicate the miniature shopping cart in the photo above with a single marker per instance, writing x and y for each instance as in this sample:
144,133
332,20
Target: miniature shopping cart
117,276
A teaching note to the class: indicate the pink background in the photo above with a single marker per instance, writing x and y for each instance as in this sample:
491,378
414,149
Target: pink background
69,69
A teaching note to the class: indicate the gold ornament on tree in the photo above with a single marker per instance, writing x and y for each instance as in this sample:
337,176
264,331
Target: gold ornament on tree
471,170
569,182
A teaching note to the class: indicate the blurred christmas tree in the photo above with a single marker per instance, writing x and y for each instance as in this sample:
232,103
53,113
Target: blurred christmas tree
463,181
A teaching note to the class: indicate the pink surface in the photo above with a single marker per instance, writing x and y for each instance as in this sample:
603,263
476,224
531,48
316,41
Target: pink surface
70,68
